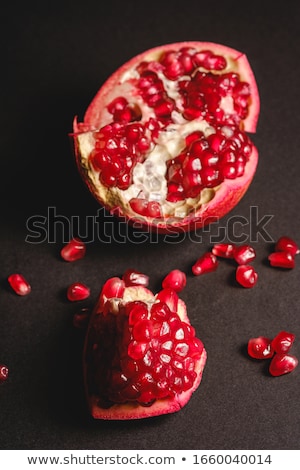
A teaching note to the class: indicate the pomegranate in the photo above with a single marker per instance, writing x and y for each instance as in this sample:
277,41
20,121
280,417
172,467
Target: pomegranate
175,279
246,276
165,140
288,245
141,356
207,263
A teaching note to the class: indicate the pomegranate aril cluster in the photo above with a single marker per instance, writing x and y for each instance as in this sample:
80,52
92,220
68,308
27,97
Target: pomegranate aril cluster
207,161
154,352
277,350
284,254
246,275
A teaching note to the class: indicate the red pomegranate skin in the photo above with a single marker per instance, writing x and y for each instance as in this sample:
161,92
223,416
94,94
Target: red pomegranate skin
226,195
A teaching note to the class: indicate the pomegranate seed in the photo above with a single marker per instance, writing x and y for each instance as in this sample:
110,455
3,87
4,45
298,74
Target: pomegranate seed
260,348
223,250
3,373
282,364
287,244
81,319
207,263
282,259
282,343
74,250
169,297
112,288
77,291
246,275
244,254
175,279
131,277
19,284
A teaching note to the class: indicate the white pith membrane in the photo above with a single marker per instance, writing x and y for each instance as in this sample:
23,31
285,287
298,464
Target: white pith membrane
132,409
149,177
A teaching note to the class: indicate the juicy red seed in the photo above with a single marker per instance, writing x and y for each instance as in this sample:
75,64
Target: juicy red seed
169,297
19,284
74,250
260,347
282,364
207,263
223,250
282,259
137,350
246,275
3,373
77,291
175,279
142,330
287,244
244,254
136,311
131,277
153,209
139,205
118,104
282,342
113,288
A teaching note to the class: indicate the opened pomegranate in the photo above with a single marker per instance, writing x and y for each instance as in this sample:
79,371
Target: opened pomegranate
141,355
165,139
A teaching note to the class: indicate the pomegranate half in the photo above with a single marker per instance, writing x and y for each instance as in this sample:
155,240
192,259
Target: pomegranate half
141,355
165,140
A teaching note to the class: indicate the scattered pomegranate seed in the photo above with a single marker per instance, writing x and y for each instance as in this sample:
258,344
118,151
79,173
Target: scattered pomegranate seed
260,347
81,318
74,250
19,284
282,259
207,263
78,291
244,254
282,364
282,343
176,280
223,250
246,275
287,244
131,277
3,373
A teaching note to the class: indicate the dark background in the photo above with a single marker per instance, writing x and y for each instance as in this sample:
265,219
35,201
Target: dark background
54,57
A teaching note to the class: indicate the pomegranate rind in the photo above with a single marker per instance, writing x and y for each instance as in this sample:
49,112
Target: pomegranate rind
215,202
130,411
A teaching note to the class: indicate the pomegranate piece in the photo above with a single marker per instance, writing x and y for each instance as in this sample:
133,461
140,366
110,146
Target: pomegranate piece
175,279
3,373
282,364
131,277
19,284
223,250
282,259
141,356
283,341
244,254
207,263
74,250
77,291
130,151
246,276
260,347
288,245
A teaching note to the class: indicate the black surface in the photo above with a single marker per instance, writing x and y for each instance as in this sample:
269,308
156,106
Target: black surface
53,60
